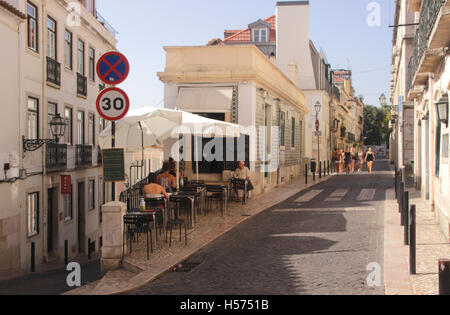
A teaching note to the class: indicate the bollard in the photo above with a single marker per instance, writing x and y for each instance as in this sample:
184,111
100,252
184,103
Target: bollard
324,169
329,168
396,184
66,252
444,277
412,241
320,169
33,257
306,174
401,193
89,249
406,218
405,205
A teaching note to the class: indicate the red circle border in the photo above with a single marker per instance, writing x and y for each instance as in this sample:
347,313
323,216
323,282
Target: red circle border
127,107
127,65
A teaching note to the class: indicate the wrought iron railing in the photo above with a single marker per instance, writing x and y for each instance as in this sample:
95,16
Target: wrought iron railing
132,195
351,137
83,155
428,16
336,92
81,84
106,25
56,156
53,71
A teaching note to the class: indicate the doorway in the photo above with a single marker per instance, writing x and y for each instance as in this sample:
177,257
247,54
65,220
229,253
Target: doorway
52,219
81,218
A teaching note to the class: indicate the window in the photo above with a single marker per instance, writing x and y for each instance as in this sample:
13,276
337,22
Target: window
81,57
80,127
260,36
91,64
32,22
51,38
293,133
68,58
33,118
283,128
69,120
102,125
68,206
102,196
91,131
33,214
52,111
91,7
91,194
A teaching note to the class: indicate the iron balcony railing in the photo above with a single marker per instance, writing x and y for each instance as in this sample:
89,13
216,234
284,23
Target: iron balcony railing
83,155
81,84
106,25
428,16
336,92
351,137
53,71
56,156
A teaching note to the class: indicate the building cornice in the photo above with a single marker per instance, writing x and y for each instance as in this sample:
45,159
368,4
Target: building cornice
230,64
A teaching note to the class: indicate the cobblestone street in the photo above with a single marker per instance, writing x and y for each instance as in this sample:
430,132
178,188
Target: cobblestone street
317,242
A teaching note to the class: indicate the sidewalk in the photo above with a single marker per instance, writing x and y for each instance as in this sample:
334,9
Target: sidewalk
432,245
137,271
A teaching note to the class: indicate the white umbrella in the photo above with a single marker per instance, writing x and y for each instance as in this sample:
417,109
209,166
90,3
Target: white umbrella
158,125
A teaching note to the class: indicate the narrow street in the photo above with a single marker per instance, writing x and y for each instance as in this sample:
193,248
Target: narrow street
318,242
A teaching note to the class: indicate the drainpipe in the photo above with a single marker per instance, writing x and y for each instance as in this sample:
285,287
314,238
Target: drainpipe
43,107
432,138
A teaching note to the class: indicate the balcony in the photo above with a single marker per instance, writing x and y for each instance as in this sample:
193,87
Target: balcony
430,40
336,92
351,138
56,157
53,72
106,25
83,156
81,85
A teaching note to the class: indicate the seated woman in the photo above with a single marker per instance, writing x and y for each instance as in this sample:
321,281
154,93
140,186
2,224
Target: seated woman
166,180
153,188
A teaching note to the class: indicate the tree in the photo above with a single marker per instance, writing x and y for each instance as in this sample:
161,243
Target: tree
376,125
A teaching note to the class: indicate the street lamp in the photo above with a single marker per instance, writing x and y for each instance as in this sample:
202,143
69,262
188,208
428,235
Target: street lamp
318,108
442,109
383,100
58,129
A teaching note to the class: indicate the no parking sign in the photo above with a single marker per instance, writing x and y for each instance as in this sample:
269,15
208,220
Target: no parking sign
113,68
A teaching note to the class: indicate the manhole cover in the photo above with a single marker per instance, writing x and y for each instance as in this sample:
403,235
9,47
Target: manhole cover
186,267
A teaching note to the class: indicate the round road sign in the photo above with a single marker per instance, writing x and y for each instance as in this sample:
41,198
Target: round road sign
113,68
113,104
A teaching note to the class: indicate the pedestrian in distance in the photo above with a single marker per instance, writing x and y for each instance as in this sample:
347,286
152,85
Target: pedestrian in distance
348,161
334,160
360,160
370,158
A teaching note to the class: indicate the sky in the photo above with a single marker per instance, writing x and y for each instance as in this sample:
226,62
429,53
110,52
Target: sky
337,27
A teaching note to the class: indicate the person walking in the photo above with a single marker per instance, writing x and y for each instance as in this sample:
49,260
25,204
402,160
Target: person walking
334,160
360,160
348,161
370,158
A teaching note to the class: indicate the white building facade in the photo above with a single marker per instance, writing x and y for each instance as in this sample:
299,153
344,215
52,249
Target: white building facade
49,69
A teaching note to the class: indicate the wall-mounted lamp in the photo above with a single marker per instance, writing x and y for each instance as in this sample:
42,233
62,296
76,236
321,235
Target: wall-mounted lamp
442,109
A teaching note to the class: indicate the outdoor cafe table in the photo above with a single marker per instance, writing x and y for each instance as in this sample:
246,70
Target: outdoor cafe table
182,197
225,190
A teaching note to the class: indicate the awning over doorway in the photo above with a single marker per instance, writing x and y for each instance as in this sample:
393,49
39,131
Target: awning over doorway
206,99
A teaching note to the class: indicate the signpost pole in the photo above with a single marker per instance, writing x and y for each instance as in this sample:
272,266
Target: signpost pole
113,145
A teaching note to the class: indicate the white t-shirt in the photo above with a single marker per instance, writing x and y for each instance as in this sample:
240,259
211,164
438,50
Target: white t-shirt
242,173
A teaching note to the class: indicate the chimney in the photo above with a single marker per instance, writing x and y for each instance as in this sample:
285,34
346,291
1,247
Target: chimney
293,43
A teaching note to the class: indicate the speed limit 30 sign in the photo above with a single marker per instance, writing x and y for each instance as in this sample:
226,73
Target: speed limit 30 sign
113,104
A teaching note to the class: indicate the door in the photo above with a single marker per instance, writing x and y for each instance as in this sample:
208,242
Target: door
268,145
81,218
50,215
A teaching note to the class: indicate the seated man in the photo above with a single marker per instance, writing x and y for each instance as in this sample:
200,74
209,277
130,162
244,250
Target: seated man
243,173
166,180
